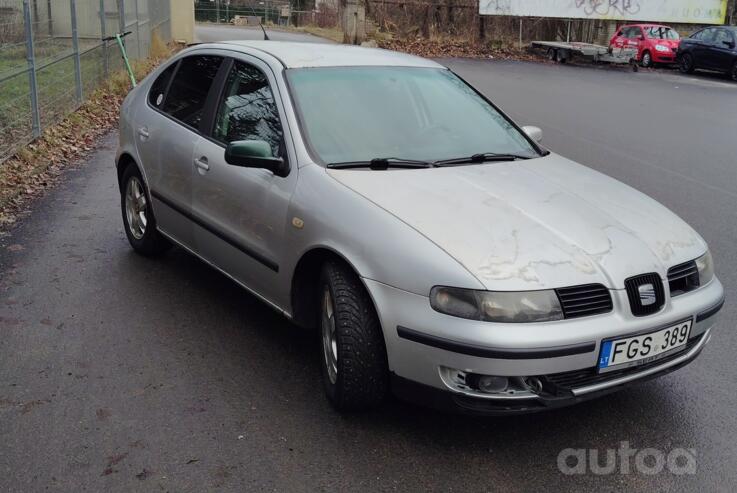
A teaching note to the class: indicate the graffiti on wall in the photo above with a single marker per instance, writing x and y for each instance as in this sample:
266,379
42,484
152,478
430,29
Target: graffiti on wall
676,11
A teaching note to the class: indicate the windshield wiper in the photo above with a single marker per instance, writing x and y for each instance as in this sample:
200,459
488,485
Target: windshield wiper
383,164
483,157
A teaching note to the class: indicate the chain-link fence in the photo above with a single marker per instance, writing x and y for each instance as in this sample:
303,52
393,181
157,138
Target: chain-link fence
220,11
52,56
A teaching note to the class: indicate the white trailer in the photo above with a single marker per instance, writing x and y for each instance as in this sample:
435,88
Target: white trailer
561,52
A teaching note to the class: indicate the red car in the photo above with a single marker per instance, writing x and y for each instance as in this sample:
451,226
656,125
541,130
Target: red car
654,43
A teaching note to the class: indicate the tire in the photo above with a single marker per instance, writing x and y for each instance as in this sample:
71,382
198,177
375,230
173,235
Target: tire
686,63
733,73
138,218
353,355
647,59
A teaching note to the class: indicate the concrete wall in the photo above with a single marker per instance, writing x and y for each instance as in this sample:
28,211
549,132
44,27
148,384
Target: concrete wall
182,20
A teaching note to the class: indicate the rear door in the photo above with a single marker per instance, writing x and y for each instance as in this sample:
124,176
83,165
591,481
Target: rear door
635,40
169,135
619,40
243,211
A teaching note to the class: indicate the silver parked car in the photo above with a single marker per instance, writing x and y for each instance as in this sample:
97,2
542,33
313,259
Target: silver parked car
440,250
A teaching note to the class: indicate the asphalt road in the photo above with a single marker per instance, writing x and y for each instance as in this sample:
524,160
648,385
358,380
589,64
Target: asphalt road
119,372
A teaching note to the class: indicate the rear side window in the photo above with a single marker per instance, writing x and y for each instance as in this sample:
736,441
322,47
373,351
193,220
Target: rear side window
158,88
188,91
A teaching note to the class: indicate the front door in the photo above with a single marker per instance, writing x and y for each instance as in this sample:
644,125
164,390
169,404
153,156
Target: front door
244,210
702,50
721,51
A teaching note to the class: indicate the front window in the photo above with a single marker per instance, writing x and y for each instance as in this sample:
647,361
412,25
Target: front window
661,32
364,113
247,110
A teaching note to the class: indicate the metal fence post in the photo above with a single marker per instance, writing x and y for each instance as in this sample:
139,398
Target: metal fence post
121,17
31,57
105,62
51,21
138,31
75,47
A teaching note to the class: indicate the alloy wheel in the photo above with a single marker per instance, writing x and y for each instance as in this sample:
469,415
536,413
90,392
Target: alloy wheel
135,208
329,338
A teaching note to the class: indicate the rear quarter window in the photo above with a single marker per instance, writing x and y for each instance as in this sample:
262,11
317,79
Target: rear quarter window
158,88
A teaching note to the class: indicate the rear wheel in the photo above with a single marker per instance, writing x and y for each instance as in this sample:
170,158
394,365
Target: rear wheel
686,63
138,217
354,364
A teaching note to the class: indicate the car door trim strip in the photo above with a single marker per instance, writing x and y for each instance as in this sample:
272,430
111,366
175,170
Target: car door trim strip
270,264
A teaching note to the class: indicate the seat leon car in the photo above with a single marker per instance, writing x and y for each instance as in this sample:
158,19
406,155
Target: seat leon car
439,251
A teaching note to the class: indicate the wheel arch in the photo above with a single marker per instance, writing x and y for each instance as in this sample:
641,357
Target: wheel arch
124,160
304,295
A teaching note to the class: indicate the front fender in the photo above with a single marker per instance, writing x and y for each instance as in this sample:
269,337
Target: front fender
377,244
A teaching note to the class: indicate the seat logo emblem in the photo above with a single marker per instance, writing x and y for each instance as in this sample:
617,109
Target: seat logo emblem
647,294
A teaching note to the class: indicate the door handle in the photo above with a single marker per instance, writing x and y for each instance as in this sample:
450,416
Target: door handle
143,132
202,164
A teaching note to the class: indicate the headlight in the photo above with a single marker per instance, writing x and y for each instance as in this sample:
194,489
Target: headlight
705,265
661,48
497,306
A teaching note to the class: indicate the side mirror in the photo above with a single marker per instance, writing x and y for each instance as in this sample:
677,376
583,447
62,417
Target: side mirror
729,44
535,133
254,154
641,37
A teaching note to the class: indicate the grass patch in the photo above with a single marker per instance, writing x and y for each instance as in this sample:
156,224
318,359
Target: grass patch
36,167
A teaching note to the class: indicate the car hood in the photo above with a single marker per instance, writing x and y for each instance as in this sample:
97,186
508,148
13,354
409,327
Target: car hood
536,224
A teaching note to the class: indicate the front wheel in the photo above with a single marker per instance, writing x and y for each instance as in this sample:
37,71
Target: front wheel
138,217
686,63
354,365
647,60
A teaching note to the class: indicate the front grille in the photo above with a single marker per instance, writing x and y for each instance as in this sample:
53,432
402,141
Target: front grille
583,378
644,301
683,278
583,301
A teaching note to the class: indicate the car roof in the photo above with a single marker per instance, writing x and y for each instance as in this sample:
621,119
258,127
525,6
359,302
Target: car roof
301,55
645,25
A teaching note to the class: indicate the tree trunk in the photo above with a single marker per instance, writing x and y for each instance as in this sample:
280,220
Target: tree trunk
426,23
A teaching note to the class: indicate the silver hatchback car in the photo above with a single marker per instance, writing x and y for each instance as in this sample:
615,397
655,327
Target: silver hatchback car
440,250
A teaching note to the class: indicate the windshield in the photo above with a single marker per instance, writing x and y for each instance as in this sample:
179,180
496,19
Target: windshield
363,113
660,32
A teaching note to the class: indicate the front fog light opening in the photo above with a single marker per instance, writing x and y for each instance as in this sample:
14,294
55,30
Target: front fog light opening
491,385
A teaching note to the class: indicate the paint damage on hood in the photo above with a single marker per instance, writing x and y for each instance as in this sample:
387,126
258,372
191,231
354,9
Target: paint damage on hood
536,224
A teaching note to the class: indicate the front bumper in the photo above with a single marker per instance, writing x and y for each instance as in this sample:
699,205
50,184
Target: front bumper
552,397
422,344
669,56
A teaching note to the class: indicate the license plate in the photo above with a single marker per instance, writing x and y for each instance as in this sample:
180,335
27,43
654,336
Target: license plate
638,350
